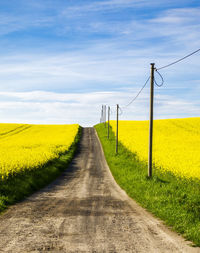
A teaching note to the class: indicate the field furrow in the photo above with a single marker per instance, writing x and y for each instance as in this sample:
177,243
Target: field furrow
27,147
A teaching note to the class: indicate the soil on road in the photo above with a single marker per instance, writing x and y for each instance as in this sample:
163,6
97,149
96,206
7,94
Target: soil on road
84,210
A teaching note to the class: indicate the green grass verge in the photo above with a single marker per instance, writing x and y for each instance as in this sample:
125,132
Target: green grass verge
23,184
174,200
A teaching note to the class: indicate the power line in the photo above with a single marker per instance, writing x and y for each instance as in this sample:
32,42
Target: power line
138,93
159,85
162,79
179,59
121,112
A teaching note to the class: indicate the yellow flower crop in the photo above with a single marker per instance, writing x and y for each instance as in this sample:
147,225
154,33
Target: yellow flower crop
176,143
26,147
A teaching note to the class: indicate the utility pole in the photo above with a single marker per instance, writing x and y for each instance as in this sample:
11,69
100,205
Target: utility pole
108,120
102,114
117,129
105,115
151,121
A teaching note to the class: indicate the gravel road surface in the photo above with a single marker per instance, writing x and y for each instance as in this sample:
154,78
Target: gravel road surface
84,210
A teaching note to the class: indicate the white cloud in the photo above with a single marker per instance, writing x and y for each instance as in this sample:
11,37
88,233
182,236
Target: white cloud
92,68
68,85
10,23
179,16
57,108
110,5
98,68
97,6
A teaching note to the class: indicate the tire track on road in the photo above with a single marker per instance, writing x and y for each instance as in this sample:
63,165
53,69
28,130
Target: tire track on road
84,210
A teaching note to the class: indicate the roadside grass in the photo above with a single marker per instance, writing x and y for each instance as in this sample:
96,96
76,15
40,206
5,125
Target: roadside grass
174,200
21,185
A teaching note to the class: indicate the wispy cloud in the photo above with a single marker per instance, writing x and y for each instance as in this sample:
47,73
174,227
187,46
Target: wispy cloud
10,23
179,16
112,5
59,108
97,6
69,58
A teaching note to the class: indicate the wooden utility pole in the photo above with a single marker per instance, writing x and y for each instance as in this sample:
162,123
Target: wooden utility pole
151,121
117,129
108,120
105,115
102,114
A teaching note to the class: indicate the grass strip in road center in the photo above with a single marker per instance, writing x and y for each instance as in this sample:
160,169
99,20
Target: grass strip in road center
175,200
24,183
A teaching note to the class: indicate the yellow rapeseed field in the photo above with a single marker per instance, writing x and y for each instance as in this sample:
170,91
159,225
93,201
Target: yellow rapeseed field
26,147
176,143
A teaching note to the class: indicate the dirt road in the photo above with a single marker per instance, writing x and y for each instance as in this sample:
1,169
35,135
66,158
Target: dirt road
85,211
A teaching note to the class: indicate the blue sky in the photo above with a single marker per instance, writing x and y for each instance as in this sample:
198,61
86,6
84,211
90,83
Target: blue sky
61,60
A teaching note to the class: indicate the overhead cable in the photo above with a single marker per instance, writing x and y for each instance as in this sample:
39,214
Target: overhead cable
162,79
138,93
166,66
121,112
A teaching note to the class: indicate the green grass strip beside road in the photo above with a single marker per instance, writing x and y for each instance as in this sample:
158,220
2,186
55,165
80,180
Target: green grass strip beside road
174,200
23,184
